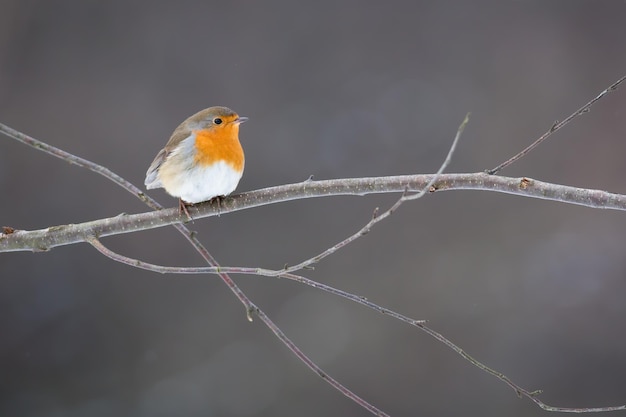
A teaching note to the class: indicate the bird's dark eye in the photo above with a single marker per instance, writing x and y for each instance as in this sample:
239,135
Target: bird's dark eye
217,121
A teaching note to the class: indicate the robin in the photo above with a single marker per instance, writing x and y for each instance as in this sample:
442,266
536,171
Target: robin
203,158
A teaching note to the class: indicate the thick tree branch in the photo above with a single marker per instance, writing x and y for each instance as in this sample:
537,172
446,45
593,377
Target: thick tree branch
48,238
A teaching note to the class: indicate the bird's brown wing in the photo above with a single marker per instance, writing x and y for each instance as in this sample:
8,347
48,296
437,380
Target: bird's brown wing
152,175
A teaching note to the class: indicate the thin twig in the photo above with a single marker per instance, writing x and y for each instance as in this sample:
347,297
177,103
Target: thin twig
556,126
96,243
308,362
444,164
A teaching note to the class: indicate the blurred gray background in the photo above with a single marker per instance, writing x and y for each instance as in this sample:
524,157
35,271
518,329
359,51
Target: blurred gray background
532,288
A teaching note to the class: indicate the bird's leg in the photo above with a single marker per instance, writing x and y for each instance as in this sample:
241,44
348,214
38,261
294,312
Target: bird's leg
218,201
182,208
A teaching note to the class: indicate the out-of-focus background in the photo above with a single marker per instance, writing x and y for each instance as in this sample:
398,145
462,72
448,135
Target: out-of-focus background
534,289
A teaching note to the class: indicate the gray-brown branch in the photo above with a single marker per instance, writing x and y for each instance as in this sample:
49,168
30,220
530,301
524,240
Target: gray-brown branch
48,238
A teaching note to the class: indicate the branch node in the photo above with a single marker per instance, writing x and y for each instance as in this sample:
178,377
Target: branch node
554,126
525,183
251,311
7,230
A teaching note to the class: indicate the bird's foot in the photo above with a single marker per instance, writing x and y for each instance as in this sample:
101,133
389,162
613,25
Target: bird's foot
182,208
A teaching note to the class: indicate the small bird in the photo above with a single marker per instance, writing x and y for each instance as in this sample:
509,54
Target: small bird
203,158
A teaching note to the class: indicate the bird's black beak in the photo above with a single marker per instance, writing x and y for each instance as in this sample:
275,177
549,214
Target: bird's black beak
241,119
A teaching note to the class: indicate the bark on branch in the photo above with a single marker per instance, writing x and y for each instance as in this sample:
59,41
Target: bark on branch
48,238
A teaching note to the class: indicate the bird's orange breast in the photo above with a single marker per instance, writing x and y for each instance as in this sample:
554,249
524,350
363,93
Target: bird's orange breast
219,144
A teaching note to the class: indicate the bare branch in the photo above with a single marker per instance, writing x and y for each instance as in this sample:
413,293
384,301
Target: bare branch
81,162
556,126
45,239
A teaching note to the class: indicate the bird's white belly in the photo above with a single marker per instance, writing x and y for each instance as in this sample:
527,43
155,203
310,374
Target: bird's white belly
197,184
